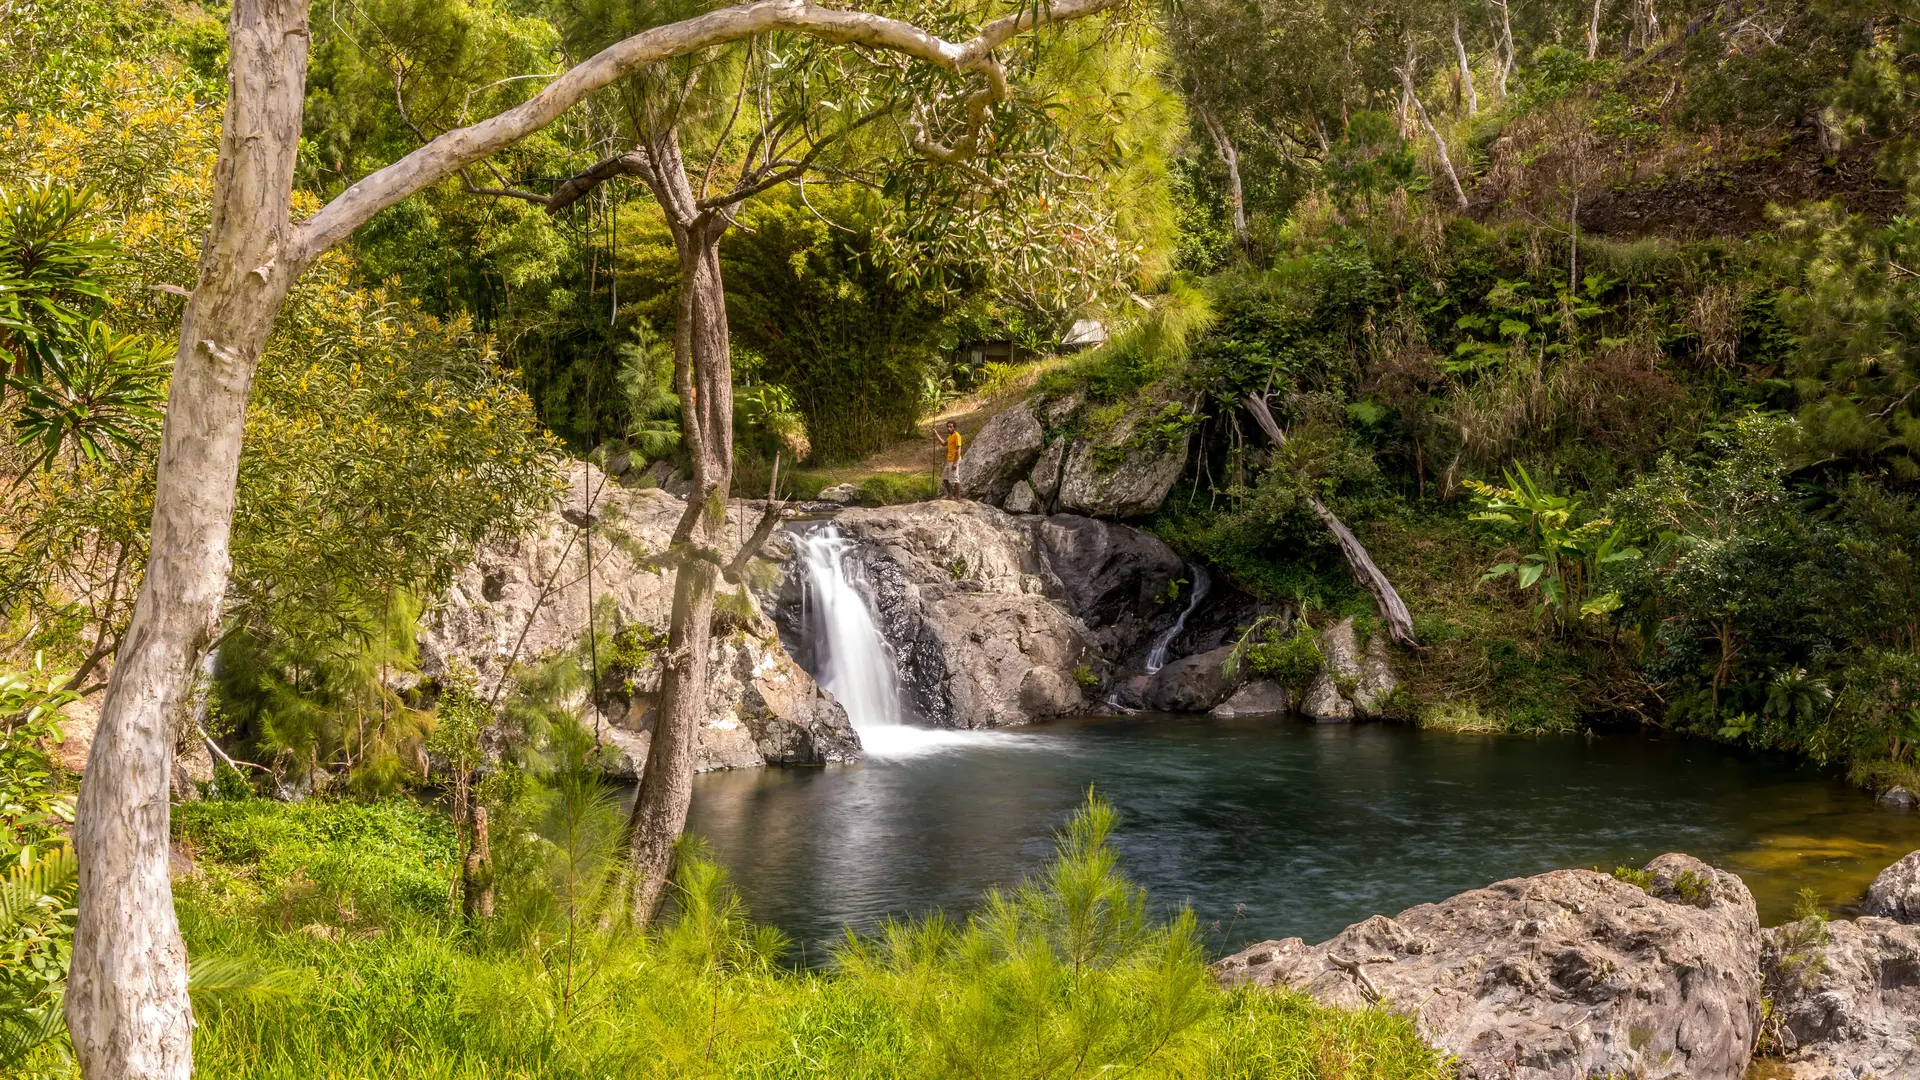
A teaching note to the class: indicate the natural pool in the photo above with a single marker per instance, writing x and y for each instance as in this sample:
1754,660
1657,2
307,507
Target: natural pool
1272,827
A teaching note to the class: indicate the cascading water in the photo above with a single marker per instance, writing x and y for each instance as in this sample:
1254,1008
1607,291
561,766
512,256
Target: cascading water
1157,655
854,661
856,665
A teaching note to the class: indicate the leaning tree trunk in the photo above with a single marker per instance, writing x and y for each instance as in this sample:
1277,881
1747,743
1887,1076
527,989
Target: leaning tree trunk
126,1004
1466,69
1229,157
703,372
1392,609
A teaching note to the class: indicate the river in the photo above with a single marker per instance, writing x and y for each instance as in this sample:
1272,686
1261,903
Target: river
1273,827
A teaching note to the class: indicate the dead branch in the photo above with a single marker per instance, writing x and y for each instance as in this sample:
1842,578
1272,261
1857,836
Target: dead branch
1392,609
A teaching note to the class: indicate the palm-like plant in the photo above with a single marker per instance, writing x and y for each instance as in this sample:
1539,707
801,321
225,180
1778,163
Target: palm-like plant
50,272
1568,559
97,390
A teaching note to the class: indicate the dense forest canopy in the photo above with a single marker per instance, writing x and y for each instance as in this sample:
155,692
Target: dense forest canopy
1594,321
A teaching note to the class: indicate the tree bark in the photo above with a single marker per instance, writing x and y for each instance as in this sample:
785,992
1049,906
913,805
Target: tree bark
703,373
1505,43
1392,609
1230,157
126,1004
1466,69
1439,144
476,875
1593,31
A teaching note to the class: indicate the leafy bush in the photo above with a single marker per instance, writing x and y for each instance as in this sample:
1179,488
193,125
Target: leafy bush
1291,661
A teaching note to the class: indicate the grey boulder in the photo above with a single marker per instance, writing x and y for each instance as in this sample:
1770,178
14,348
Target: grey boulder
1895,894
1261,697
1119,475
1192,684
1846,997
1561,976
1022,500
524,599
1000,455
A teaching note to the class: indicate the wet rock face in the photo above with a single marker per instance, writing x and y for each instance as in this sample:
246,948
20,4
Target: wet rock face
1846,997
997,619
1561,976
1195,684
1001,454
530,595
1118,580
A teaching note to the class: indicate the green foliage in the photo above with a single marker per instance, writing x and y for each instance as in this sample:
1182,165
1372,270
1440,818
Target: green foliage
338,864
849,339
645,379
324,705
1569,560
37,899
893,488
1292,660
79,381
35,803
1067,974
1370,162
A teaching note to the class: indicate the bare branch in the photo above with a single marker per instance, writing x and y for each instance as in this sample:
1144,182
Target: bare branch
456,149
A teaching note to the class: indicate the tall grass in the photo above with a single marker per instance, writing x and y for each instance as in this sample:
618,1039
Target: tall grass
1064,976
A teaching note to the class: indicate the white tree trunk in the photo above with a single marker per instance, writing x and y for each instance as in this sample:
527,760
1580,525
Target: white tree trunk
1466,69
1412,96
1505,44
1230,157
127,1005
1593,31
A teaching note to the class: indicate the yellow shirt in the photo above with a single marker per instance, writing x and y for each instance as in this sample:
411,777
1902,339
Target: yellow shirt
953,446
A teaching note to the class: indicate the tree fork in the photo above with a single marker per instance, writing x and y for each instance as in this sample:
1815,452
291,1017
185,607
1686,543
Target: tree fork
127,1004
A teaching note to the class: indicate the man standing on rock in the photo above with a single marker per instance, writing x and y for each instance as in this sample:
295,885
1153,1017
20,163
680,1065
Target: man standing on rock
950,474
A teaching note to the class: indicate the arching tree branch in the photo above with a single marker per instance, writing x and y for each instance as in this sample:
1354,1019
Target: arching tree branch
456,149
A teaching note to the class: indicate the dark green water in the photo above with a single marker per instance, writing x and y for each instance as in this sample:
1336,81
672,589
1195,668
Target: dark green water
1274,828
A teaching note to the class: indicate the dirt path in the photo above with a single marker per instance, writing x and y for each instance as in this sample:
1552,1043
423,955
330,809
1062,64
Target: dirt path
926,451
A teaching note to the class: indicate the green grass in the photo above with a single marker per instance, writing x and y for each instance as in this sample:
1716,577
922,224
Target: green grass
1065,976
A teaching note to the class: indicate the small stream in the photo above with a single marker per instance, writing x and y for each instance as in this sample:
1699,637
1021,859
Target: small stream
1272,827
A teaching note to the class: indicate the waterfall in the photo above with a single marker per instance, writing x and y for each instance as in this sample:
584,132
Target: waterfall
1157,655
856,665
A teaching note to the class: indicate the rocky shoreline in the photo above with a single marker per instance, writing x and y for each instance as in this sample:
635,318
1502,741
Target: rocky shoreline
1659,973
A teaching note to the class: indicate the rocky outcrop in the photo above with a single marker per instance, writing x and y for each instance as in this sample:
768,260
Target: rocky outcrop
1561,976
998,619
1001,454
1118,580
1193,684
1262,697
1045,477
1132,484
1355,682
1846,997
1895,893
526,599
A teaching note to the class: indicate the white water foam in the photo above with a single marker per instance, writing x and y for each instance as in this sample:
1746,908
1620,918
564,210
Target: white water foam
859,668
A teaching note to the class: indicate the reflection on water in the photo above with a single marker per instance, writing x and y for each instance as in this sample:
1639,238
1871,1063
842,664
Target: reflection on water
1274,828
